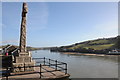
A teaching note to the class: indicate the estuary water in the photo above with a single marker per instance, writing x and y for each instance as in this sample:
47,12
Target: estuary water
84,66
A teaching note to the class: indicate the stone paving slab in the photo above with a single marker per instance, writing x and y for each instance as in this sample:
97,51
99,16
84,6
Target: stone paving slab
47,75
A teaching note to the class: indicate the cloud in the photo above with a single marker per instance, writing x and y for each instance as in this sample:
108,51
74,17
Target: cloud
103,30
8,41
2,25
107,29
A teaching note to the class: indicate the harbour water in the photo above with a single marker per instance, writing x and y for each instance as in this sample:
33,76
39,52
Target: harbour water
84,66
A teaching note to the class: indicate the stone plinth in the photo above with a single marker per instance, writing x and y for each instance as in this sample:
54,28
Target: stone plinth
30,64
18,69
22,59
24,54
23,67
23,62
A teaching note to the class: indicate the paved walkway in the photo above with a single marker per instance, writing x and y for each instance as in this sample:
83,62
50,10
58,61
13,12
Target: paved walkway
34,74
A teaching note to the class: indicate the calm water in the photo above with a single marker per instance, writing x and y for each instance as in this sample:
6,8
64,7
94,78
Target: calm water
84,66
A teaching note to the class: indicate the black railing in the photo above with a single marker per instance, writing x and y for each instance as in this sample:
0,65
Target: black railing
41,62
57,65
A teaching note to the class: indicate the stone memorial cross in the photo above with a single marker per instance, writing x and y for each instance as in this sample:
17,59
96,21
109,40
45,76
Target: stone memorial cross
23,29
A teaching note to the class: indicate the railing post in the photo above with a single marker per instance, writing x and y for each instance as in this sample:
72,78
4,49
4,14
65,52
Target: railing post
56,65
24,66
65,68
44,60
40,71
49,62
7,74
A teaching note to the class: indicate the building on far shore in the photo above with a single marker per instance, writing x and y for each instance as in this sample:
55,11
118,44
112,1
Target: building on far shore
114,51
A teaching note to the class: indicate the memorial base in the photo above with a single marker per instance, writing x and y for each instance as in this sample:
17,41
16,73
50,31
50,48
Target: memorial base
23,67
23,63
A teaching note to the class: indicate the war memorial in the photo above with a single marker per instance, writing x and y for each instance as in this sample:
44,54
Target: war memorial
23,57
19,64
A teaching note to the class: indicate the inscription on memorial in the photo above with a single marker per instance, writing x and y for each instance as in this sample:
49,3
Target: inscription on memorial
23,59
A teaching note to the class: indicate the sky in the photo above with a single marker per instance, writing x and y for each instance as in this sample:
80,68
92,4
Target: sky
59,23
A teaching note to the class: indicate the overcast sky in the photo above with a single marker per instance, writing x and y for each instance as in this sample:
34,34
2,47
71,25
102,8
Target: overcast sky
60,23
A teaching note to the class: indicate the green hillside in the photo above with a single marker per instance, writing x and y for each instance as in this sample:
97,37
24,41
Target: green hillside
102,45
98,44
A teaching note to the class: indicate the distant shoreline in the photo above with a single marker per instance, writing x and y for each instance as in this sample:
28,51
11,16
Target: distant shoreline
86,54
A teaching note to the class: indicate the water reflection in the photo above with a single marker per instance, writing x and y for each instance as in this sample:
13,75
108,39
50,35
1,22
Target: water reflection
85,66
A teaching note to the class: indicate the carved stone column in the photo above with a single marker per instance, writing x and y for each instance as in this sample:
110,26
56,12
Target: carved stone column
23,29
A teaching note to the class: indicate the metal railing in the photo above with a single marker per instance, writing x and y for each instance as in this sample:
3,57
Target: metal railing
55,64
41,62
